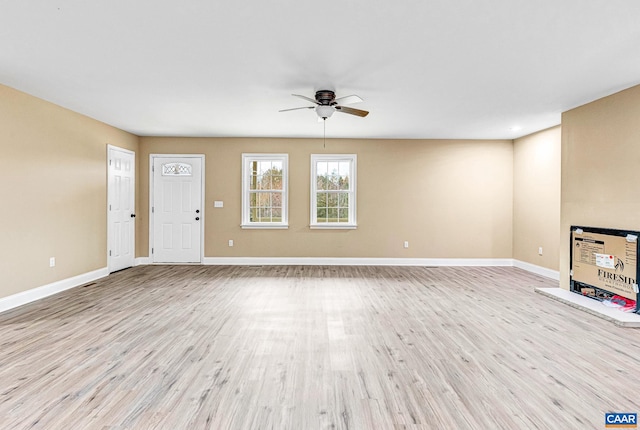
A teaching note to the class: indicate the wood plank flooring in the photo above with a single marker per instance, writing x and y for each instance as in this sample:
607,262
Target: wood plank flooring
313,347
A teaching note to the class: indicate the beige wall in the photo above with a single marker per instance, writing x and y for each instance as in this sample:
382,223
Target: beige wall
600,167
536,198
449,199
53,191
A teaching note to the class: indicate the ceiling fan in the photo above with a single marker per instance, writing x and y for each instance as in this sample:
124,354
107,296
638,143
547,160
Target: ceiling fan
326,104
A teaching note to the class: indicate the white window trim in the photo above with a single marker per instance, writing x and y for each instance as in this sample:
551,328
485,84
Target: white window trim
353,159
245,223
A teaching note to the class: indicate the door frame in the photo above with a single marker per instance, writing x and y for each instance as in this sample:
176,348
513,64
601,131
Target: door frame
133,236
152,157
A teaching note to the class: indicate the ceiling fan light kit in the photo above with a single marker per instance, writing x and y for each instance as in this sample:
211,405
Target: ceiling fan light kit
324,111
326,104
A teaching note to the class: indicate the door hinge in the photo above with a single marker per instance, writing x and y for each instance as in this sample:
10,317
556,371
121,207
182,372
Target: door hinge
109,253
109,207
110,162
153,168
152,250
153,209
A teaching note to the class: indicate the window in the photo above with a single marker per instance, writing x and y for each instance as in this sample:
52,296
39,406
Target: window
333,191
176,169
264,190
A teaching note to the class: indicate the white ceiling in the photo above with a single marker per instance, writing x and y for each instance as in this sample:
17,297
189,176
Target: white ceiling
425,68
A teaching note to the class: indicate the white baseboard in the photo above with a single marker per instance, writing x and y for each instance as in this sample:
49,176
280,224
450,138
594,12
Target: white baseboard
331,261
140,261
38,293
538,270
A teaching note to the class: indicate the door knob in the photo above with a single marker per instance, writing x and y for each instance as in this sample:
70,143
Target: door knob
197,211
133,215
197,218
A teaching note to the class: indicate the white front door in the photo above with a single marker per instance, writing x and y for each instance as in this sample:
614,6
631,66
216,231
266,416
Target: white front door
177,212
121,209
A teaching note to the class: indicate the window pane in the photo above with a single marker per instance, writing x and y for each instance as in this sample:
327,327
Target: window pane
333,168
321,200
322,214
265,215
258,182
276,182
276,215
344,168
263,167
276,200
343,214
276,175
253,199
321,168
332,200
344,182
332,215
253,215
253,182
264,200
343,200
344,172
333,180
321,182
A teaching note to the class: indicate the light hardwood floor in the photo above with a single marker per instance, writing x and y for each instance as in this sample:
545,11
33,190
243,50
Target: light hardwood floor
301,347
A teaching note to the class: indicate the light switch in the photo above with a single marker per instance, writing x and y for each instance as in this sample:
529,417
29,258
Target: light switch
218,204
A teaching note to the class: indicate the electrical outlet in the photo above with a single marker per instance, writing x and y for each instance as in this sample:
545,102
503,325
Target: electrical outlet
52,262
230,242
406,243
540,251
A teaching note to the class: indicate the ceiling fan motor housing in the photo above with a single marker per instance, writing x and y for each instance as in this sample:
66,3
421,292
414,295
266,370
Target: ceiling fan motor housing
326,97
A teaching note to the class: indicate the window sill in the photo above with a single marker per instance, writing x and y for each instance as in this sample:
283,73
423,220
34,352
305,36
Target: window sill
333,226
264,226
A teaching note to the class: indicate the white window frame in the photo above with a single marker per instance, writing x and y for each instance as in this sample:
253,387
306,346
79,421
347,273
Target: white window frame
352,159
247,159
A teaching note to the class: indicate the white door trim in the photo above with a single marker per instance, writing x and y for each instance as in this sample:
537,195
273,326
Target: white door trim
133,238
152,157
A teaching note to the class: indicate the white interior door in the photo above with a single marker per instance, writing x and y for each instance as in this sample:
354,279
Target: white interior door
121,209
177,211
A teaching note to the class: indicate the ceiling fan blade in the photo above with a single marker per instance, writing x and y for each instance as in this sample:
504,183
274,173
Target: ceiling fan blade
347,100
306,98
352,111
306,107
